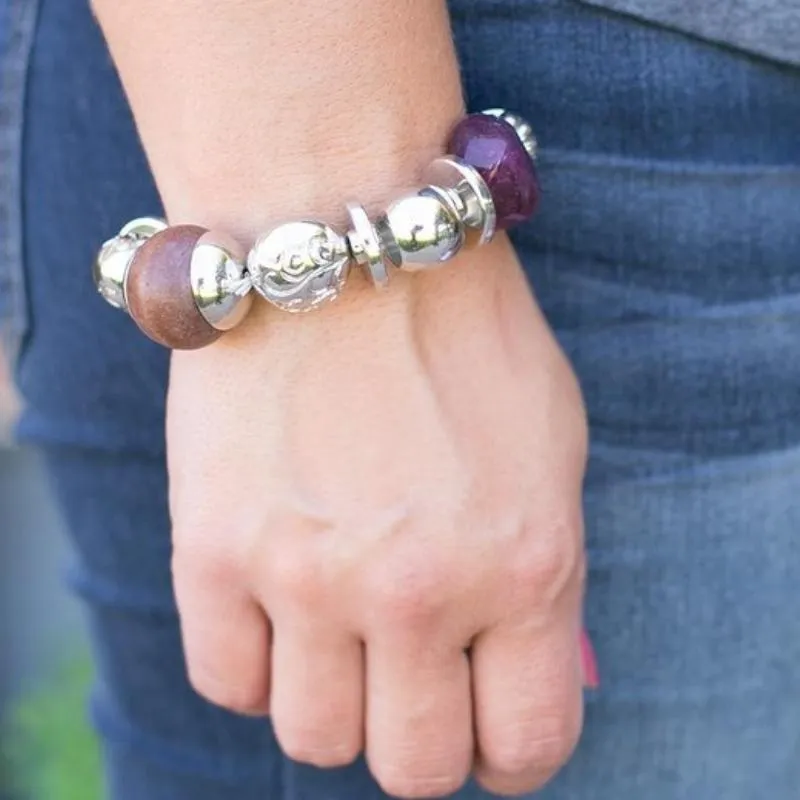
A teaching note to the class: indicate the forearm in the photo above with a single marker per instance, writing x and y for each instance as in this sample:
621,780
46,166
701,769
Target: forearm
257,111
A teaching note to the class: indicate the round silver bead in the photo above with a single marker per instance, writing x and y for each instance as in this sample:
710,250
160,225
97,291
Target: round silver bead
300,265
420,230
365,245
143,227
520,125
465,189
220,285
110,269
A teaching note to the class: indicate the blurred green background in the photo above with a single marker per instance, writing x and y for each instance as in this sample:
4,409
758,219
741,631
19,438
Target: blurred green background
47,750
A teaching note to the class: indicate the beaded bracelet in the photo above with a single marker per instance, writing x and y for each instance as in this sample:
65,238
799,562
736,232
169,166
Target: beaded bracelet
184,286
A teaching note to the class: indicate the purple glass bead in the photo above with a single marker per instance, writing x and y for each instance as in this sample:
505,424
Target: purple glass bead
492,146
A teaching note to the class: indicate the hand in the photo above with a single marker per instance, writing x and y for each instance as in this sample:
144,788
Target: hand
377,529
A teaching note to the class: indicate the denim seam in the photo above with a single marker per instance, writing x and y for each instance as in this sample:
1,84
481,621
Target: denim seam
15,61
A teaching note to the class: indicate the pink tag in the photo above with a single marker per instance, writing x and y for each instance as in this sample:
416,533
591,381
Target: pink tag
591,674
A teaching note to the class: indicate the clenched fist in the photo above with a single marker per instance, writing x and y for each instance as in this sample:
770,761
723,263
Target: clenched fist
377,529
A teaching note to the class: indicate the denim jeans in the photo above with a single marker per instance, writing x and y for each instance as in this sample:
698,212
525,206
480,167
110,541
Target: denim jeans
667,258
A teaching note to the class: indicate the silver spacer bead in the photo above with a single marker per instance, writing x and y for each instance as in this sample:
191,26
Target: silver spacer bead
365,246
110,269
420,230
465,189
300,265
520,125
220,284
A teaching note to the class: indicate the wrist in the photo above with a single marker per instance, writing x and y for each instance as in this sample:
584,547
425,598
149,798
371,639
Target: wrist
184,286
258,111
462,295
310,175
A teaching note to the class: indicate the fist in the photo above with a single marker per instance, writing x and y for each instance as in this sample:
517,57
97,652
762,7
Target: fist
377,530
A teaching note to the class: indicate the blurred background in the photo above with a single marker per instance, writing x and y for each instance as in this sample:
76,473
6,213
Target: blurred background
47,751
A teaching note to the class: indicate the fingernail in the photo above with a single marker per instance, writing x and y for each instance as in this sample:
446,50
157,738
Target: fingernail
591,674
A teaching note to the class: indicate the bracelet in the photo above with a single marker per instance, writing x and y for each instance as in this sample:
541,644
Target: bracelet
184,286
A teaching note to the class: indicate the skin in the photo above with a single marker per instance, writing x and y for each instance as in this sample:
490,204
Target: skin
376,507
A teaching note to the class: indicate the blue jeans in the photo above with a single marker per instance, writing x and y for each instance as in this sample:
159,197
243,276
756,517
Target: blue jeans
667,259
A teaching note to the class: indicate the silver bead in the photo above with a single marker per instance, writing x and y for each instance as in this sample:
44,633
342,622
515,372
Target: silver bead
300,265
520,125
365,245
110,269
465,189
220,285
143,227
419,230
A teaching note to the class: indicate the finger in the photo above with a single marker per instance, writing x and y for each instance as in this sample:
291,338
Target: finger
317,704
527,684
419,719
225,637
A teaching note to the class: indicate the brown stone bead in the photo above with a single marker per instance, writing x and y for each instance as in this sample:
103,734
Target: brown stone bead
159,290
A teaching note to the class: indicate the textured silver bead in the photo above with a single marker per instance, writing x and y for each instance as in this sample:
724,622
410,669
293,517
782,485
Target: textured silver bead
220,285
464,188
110,269
300,265
420,230
520,125
365,246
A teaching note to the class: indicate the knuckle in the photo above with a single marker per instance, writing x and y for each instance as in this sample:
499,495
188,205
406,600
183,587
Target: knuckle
407,600
204,566
551,563
295,574
408,591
